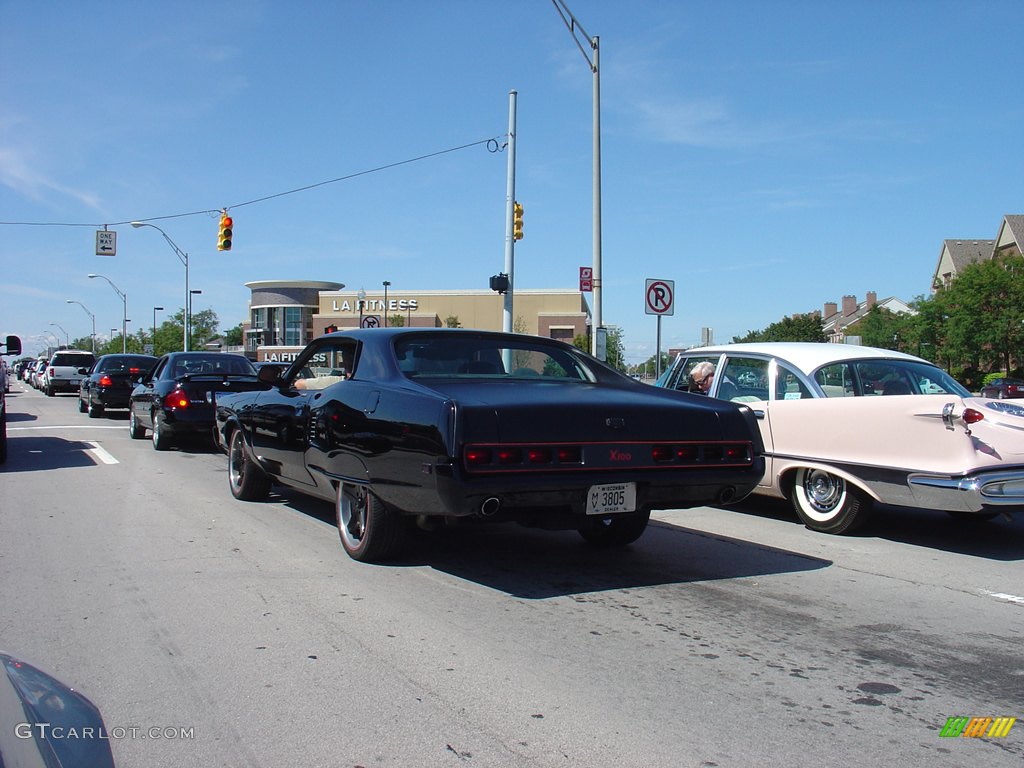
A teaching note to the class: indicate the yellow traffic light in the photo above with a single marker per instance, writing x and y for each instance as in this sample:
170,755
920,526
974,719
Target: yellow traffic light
517,221
224,232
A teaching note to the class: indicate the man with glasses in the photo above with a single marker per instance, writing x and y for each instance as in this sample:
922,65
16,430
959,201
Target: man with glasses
701,377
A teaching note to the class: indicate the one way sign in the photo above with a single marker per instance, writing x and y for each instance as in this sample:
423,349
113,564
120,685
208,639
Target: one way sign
106,243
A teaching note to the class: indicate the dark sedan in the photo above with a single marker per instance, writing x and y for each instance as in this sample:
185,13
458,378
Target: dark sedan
177,397
395,425
1003,389
109,383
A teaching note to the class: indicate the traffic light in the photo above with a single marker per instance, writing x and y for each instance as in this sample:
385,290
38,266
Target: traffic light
331,329
224,232
517,221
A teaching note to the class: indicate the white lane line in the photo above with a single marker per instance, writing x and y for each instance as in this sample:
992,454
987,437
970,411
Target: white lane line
68,426
100,453
1003,596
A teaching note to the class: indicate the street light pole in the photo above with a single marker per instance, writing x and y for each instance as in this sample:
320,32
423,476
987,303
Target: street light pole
183,258
594,43
154,327
361,296
91,317
124,316
386,284
67,339
190,295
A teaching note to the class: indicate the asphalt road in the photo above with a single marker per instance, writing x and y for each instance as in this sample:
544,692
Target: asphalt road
241,635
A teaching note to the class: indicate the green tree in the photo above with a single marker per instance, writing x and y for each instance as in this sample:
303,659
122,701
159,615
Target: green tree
799,328
615,348
984,310
233,337
396,321
452,321
883,328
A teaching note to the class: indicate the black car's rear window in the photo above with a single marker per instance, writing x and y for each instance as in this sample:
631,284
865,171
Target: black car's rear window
466,355
126,364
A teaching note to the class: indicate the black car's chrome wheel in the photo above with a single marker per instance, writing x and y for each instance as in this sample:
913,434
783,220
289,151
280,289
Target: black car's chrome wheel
369,530
245,479
95,411
136,430
161,437
82,407
827,503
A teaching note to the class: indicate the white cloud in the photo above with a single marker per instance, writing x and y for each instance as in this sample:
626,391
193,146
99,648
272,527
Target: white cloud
17,174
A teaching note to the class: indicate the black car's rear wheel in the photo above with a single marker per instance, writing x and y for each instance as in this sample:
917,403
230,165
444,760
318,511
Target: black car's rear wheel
827,503
95,411
615,531
369,530
82,407
161,436
136,430
247,481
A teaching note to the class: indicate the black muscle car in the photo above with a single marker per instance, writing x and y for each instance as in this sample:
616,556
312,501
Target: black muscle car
177,396
427,424
110,381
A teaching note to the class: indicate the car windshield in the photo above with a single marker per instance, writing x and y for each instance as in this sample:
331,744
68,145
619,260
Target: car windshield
502,357
855,378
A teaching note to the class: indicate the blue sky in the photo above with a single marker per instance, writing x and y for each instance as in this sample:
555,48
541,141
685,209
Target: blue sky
766,156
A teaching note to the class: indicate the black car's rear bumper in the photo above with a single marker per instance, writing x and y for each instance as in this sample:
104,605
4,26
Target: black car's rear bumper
566,494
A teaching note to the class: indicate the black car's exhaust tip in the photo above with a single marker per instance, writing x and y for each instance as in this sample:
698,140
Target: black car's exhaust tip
727,495
490,506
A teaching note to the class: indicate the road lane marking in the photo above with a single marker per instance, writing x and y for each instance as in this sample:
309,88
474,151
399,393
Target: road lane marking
1003,596
100,453
68,426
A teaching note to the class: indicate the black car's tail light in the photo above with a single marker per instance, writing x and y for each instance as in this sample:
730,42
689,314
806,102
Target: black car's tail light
494,457
106,381
478,457
176,399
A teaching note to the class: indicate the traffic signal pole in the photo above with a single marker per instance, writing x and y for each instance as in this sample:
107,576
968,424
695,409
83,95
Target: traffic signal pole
510,203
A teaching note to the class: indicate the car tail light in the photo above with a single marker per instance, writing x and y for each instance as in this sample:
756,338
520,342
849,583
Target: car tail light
971,416
176,399
510,455
106,381
539,455
519,457
134,371
478,456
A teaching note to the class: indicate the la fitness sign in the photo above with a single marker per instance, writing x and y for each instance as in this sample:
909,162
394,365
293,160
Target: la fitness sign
374,305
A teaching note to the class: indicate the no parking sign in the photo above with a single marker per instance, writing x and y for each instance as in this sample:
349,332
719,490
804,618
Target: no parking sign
659,297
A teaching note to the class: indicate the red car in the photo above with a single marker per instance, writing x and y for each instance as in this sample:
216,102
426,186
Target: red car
1003,389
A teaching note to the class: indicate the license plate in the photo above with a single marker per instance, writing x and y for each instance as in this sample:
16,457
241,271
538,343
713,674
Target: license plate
612,497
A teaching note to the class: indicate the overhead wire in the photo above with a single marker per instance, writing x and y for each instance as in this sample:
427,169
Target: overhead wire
490,142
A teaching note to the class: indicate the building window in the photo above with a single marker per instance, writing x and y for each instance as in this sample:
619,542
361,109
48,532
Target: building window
562,334
293,327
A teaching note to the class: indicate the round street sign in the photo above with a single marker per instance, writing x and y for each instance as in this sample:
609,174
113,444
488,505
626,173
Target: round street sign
370,321
659,297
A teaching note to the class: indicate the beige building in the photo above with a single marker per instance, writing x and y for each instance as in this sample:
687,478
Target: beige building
285,315
957,254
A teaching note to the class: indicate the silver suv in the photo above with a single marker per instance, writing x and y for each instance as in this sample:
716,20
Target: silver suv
62,374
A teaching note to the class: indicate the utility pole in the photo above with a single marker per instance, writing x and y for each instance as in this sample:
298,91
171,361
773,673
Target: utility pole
510,203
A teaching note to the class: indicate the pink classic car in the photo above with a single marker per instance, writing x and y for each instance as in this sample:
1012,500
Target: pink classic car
845,427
